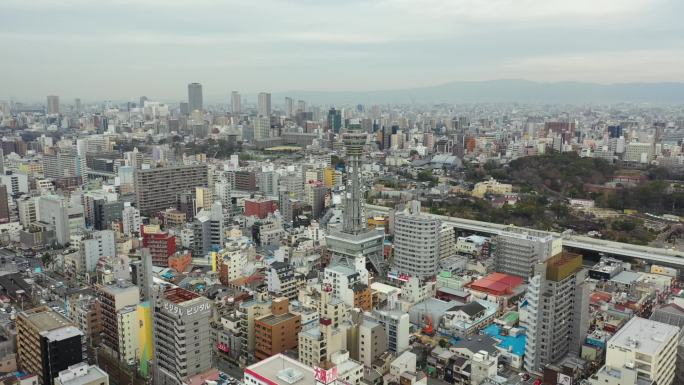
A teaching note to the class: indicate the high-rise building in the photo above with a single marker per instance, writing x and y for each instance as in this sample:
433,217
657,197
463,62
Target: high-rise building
517,250
301,106
26,205
118,302
78,106
396,324
4,205
283,281
52,104
557,311
334,120
416,242
354,239
47,343
52,209
235,102
641,352
317,343
208,230
183,341
184,108
99,244
156,188
131,220
195,97
289,107
264,104
262,127
248,312
16,183
67,165
161,244
372,341
143,99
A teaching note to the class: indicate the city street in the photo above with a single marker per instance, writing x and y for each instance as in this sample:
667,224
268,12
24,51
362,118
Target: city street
229,368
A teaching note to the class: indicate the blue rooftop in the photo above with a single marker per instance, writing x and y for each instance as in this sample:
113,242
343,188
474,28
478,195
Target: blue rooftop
517,344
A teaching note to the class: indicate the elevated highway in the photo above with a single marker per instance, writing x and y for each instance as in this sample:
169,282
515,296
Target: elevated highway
672,258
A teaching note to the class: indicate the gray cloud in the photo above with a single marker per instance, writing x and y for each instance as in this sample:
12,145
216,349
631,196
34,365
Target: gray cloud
123,48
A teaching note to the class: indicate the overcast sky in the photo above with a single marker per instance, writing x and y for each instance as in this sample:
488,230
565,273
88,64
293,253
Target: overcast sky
121,49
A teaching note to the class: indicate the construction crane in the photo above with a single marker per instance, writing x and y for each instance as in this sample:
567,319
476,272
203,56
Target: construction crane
428,329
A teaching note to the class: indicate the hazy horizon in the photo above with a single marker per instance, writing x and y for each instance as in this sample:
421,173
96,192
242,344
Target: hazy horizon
124,49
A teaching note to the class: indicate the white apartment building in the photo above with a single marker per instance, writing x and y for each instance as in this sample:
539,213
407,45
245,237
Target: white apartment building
647,347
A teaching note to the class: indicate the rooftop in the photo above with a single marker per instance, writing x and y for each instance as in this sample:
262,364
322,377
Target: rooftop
178,295
515,344
44,319
282,370
497,283
626,277
276,319
61,334
644,335
81,374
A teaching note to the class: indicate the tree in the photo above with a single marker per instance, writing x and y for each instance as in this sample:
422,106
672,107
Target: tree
443,343
46,258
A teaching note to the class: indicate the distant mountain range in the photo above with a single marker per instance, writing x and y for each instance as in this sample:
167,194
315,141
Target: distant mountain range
507,90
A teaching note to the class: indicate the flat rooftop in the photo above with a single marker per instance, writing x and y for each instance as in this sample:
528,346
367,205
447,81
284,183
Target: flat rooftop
62,333
644,335
179,295
93,373
276,319
45,319
282,370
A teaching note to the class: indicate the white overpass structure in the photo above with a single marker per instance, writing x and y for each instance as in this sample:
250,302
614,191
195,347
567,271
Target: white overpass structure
651,254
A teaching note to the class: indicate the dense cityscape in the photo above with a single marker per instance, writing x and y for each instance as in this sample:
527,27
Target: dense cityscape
356,192
283,242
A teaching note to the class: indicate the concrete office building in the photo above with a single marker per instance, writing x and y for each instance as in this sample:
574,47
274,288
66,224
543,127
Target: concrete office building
518,250
156,188
52,104
16,183
673,314
262,127
47,343
642,352
118,303
639,152
183,342
130,217
82,374
289,107
235,102
4,205
416,242
248,312
372,341
99,244
195,97
277,332
557,311
52,209
26,205
264,104
318,342
396,324
283,281
208,230
67,165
